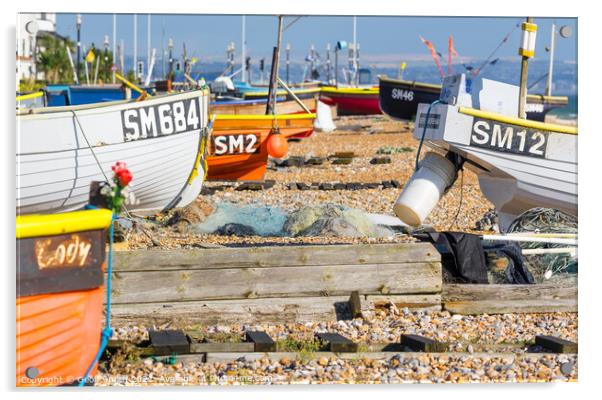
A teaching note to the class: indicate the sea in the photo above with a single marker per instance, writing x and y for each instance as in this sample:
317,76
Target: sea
568,112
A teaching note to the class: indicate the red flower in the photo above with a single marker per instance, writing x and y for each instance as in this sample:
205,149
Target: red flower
119,166
124,176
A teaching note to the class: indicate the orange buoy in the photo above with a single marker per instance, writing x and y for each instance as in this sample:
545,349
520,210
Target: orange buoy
277,146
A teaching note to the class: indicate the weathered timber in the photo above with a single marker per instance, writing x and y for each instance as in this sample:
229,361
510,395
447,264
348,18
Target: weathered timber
249,311
274,256
355,304
239,283
556,344
416,301
421,343
219,347
261,340
501,299
337,343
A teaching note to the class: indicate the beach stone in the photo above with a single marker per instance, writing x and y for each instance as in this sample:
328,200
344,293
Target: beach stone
235,229
566,368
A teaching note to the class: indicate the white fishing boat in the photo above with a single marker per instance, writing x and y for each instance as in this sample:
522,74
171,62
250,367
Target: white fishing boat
60,150
520,164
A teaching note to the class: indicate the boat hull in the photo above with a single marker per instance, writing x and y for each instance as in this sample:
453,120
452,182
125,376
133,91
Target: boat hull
399,99
520,165
238,149
59,304
259,106
352,101
55,166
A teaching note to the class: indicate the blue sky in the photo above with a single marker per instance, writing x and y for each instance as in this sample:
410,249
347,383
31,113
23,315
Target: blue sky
381,39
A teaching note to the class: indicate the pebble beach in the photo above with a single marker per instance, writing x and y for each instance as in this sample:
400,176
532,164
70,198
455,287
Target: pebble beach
483,348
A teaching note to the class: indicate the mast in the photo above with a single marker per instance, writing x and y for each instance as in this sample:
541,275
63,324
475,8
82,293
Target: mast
135,66
243,53
288,62
551,64
148,42
355,66
78,22
114,44
527,50
272,92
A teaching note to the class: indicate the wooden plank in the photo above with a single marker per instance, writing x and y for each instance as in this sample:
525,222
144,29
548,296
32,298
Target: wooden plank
274,256
237,283
218,347
556,344
250,311
508,307
501,299
414,301
472,292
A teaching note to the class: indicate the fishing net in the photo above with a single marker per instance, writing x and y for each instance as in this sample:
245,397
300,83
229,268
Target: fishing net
552,266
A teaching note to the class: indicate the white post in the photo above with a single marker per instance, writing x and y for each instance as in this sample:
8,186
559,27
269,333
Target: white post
150,68
75,78
243,53
135,66
114,45
551,65
148,42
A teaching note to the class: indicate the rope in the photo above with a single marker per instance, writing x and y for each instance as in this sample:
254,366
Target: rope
130,217
504,40
426,122
107,332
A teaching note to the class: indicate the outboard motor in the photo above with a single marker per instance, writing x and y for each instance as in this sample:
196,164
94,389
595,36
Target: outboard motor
435,174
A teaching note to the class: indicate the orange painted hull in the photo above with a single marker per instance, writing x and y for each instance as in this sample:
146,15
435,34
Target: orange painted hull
247,166
258,107
59,334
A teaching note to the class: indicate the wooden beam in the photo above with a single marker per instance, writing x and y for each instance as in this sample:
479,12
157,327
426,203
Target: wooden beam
274,256
261,341
250,311
241,283
501,299
337,343
421,343
556,344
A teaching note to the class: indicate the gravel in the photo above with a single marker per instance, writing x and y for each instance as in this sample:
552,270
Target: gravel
482,338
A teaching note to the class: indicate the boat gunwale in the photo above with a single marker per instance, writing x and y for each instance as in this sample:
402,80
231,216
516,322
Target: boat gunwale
102,106
569,130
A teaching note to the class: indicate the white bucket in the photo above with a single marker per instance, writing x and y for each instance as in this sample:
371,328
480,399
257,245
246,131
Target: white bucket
424,189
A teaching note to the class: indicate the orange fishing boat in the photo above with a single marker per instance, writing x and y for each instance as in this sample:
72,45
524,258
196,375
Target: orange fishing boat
238,148
258,106
60,263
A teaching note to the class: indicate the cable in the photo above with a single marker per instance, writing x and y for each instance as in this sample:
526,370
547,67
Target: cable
461,199
426,122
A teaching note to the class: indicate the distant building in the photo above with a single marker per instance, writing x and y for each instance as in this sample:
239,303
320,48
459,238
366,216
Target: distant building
28,26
